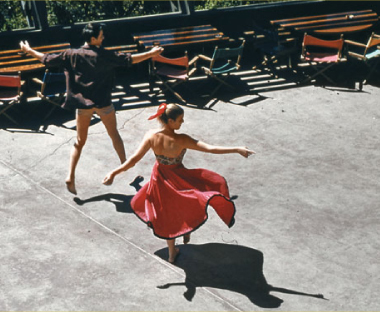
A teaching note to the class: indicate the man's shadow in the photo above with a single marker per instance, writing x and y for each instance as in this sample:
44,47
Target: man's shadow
231,267
122,202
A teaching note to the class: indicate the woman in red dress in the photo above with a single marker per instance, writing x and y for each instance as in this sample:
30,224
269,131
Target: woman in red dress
174,202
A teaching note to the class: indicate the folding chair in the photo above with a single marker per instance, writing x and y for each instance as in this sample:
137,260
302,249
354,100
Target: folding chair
171,72
53,89
368,53
223,62
321,55
273,48
10,93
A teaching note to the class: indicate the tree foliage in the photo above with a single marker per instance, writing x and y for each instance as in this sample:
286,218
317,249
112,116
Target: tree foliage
69,12
11,16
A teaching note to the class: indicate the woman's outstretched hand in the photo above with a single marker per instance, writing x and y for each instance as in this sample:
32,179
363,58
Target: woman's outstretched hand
108,179
245,152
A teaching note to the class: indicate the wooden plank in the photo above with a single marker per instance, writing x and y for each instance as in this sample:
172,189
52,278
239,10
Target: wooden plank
131,48
336,25
188,42
176,40
180,30
343,29
343,22
180,35
22,68
274,22
327,21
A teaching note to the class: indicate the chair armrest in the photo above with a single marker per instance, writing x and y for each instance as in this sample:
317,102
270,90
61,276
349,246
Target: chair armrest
353,54
355,43
192,71
195,58
36,80
204,57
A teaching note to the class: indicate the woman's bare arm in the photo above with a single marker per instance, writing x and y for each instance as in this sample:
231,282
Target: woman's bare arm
191,143
132,161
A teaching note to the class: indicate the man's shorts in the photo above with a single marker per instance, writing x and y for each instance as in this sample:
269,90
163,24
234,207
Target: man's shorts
99,111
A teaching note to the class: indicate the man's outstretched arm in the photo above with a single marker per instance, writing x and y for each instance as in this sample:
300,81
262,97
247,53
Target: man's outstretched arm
139,57
27,49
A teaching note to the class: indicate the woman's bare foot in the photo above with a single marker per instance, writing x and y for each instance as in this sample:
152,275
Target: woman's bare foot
70,184
186,238
173,258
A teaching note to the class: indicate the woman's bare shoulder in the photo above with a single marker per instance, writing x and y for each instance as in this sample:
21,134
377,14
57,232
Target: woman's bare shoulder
186,141
153,132
185,137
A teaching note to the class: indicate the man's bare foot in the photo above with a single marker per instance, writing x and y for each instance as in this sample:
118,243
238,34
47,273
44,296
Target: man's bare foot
173,258
71,187
186,238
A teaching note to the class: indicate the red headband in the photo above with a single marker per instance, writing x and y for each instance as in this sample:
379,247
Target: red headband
160,110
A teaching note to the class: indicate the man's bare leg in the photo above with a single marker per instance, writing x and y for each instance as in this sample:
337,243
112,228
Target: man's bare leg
109,121
173,251
83,123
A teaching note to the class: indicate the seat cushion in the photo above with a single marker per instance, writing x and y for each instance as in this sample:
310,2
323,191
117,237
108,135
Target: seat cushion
373,54
8,95
172,72
322,57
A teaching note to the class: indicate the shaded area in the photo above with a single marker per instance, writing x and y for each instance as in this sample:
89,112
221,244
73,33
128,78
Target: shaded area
132,91
231,267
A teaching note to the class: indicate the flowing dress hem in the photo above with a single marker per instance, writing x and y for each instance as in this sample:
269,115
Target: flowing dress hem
231,223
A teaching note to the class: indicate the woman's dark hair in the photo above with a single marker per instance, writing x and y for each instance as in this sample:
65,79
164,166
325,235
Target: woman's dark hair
92,30
172,112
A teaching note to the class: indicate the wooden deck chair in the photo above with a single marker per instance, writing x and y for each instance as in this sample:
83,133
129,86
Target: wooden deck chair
171,72
368,53
10,93
223,62
53,89
321,55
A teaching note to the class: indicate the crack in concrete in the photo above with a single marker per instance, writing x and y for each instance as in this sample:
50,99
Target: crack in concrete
51,154
122,127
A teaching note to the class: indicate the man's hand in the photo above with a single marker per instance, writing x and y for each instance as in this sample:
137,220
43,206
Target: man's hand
25,46
156,51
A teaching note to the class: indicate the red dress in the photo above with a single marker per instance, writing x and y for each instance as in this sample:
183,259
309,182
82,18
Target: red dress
174,202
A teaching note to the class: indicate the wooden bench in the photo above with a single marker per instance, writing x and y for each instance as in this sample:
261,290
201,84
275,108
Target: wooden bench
13,61
130,48
335,23
183,36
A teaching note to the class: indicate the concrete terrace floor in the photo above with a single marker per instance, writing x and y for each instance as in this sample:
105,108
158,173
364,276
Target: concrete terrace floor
306,236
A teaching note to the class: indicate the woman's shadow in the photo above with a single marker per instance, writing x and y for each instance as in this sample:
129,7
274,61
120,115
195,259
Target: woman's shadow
122,202
231,267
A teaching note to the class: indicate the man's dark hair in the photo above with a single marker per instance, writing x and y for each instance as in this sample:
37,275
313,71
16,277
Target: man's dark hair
92,30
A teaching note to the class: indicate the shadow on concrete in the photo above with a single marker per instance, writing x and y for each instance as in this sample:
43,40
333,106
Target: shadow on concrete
132,92
231,267
30,117
122,202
